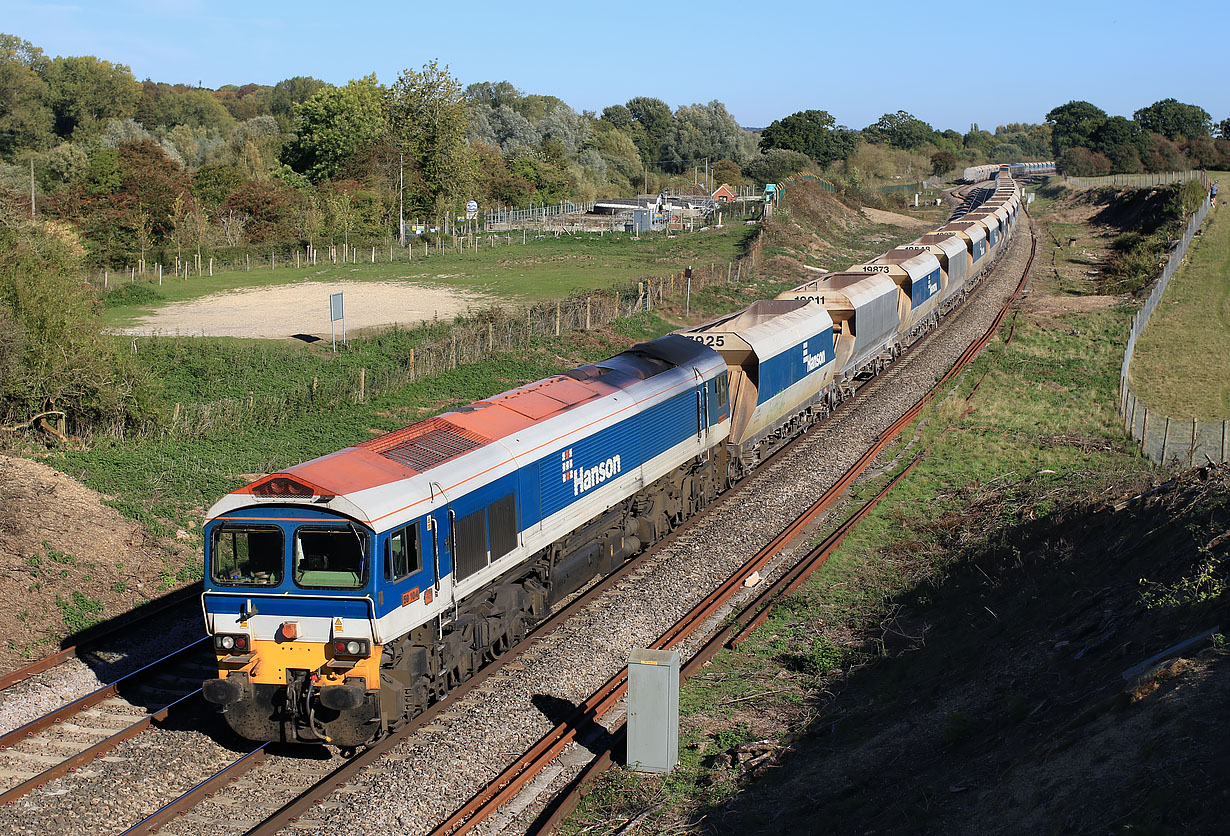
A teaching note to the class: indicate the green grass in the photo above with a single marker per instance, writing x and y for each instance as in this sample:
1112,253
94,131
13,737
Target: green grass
1043,424
541,269
1182,365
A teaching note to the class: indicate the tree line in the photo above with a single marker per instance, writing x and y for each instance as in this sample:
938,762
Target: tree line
1168,135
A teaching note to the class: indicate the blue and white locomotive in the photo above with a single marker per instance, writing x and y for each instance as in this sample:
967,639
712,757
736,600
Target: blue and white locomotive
346,594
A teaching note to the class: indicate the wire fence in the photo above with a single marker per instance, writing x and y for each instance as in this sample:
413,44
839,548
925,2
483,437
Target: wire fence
509,215
1139,181
1164,439
158,271
489,334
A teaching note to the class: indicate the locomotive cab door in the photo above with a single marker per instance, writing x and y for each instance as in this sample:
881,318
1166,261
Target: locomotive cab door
702,409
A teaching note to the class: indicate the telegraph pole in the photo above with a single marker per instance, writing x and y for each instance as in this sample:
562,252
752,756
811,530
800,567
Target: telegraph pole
401,200
31,188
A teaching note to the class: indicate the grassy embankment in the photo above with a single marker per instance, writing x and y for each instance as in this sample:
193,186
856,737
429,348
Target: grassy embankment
894,737
1182,361
167,482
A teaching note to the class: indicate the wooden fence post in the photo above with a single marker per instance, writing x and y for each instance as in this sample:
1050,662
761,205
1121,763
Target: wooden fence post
1191,455
589,301
362,384
1165,438
557,317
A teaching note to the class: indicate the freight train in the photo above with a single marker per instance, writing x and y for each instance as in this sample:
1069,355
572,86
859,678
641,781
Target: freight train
346,594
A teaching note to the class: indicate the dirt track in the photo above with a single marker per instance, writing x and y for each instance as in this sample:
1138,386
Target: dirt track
303,308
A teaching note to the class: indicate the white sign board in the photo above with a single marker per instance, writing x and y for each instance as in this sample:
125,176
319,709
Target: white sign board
337,309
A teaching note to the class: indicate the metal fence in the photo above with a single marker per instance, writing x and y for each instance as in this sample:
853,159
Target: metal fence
1164,439
507,216
1139,181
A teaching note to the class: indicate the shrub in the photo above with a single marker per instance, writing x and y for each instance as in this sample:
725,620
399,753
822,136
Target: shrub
50,345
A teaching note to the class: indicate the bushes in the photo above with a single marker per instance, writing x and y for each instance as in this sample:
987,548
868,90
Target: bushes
51,352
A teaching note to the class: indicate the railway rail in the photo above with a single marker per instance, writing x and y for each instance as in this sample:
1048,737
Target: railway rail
90,726
583,718
750,616
585,715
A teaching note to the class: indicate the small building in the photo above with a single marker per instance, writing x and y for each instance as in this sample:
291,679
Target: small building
724,193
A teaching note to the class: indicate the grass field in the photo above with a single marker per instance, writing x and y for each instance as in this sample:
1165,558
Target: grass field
1182,360
545,268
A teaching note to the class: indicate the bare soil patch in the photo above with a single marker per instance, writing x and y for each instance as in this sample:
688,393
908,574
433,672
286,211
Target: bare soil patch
66,559
882,217
303,308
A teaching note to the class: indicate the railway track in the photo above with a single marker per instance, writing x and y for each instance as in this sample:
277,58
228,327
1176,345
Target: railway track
93,725
283,787
312,809
750,615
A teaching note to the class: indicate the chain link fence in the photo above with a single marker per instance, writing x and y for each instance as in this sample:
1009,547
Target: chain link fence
1164,439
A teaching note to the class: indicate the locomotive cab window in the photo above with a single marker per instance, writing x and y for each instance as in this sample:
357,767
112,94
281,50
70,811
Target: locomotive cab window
246,555
403,553
330,558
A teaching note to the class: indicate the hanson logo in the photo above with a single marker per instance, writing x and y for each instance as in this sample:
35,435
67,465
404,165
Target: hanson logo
813,361
584,478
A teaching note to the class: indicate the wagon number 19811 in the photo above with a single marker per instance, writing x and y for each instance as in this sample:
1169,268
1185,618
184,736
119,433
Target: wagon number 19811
717,340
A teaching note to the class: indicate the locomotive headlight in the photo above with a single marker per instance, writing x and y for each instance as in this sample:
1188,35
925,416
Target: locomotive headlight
352,647
227,643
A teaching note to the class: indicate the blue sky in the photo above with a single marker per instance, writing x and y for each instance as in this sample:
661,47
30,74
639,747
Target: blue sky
856,60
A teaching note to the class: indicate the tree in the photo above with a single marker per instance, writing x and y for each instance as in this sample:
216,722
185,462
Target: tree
900,130
213,184
810,132
618,116
776,165
335,126
428,117
150,182
493,94
709,131
25,121
1116,131
1073,125
265,207
654,117
84,92
1081,162
52,354
289,93
942,162
191,106
1175,120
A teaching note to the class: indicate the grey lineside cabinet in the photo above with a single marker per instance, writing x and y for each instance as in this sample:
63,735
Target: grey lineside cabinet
653,710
